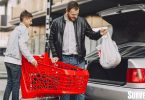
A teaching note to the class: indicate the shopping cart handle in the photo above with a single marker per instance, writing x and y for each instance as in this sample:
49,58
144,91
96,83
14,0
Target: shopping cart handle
49,65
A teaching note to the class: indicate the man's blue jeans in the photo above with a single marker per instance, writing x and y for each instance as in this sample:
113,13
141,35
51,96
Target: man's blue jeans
13,81
74,60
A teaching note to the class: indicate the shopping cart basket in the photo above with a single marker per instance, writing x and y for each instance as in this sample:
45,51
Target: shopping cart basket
48,79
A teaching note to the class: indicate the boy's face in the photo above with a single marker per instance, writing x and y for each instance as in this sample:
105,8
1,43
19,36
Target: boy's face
27,21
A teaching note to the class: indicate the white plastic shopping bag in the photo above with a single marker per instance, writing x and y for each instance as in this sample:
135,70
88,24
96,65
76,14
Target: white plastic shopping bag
109,56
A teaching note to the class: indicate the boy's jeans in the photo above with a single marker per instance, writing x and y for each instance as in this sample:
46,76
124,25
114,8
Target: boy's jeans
74,61
13,81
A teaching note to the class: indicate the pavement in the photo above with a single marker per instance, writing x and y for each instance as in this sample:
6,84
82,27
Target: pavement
3,76
2,87
3,73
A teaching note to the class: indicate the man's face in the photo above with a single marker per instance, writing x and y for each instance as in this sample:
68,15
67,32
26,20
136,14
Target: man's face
28,21
72,14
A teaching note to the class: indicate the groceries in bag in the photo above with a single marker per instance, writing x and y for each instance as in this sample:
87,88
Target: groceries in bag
109,56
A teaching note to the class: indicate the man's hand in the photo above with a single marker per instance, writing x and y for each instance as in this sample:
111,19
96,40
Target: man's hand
103,31
54,60
34,63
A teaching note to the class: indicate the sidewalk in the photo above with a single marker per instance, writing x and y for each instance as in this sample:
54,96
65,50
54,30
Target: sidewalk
2,87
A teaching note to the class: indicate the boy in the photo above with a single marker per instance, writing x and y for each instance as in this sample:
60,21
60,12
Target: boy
17,46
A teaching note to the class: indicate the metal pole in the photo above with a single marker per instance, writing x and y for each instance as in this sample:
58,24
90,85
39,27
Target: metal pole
48,22
47,48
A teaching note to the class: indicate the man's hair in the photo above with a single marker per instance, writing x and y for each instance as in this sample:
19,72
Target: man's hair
72,4
25,14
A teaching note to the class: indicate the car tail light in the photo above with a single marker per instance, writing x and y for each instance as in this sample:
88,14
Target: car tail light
135,75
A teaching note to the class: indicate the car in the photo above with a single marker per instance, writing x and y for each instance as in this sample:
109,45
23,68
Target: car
127,80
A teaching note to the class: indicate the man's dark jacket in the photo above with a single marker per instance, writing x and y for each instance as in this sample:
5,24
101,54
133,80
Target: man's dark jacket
81,27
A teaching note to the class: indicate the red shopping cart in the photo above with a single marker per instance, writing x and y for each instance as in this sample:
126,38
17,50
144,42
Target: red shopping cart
48,79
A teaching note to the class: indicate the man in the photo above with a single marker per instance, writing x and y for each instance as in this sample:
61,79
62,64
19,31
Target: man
17,46
67,39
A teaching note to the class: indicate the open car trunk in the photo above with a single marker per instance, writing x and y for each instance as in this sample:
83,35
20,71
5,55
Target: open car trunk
129,34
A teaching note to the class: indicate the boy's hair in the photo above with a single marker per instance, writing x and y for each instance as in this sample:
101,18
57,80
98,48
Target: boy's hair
24,14
72,4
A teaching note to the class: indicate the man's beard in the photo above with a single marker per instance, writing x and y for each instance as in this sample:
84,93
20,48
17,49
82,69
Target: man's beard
70,18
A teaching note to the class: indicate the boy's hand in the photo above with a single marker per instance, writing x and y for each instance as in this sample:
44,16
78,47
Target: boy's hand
34,63
99,53
54,60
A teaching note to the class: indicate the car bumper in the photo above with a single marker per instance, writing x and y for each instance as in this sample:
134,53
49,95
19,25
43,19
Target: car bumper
110,92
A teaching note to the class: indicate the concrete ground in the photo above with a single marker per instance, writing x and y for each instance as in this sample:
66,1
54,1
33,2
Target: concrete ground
3,76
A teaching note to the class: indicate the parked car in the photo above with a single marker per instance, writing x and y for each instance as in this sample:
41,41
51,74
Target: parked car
128,23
